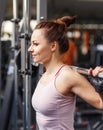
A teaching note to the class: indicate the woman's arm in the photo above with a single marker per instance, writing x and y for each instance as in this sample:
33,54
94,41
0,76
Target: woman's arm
70,82
84,89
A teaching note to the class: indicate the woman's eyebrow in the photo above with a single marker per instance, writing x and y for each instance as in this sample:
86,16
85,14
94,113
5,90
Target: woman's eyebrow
34,41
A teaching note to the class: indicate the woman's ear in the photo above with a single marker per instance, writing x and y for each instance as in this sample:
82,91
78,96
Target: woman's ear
53,46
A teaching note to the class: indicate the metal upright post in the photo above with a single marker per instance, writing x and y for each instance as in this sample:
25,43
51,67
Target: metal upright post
15,21
25,62
25,66
41,10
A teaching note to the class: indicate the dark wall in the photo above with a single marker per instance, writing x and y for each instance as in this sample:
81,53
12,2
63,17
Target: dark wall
89,11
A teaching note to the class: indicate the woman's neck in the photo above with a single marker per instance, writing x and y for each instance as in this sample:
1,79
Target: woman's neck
54,63
52,67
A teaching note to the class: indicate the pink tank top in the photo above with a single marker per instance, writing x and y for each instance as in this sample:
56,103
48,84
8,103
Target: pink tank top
54,111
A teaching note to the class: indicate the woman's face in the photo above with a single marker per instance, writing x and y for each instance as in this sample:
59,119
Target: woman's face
40,48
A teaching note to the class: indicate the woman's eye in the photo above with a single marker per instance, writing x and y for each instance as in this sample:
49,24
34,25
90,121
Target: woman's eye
35,44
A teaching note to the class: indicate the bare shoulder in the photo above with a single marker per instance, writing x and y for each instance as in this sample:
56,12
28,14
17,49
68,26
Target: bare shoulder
67,78
69,75
69,82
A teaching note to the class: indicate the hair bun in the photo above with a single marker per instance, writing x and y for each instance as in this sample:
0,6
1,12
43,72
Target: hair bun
67,20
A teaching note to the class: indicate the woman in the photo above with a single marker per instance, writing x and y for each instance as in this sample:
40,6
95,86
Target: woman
55,95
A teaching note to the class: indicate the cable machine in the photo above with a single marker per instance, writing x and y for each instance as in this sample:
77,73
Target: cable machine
25,65
10,101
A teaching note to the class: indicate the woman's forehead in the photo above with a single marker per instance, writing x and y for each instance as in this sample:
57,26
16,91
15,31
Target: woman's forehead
38,33
38,36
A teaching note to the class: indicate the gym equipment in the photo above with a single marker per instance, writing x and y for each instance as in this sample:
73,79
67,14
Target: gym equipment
7,99
84,71
2,12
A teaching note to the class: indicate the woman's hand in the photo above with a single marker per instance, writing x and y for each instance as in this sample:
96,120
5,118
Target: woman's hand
97,82
95,72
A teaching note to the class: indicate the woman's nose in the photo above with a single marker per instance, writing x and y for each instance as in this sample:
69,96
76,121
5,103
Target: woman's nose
30,48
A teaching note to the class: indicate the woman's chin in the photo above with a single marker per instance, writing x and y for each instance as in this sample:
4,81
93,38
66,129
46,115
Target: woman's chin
37,62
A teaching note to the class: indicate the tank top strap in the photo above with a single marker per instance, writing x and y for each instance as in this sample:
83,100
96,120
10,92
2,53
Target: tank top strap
59,69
